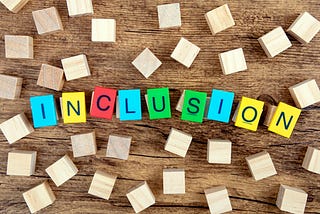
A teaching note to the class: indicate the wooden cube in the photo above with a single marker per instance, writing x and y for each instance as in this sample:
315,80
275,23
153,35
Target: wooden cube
103,30
261,165
185,52
174,181
51,77
141,197
21,163
305,93
179,105
47,20
117,108
146,63
271,110
275,42
291,199
219,19
169,15
10,87
304,28
102,184
311,160
218,200
232,61
79,7
39,197
18,47
219,151
118,147
178,142
62,170
84,144
76,67
14,5
16,128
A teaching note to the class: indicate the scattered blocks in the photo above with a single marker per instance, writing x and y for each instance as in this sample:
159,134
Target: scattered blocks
275,42
141,197
103,30
311,160
218,200
219,151
178,142
147,63
194,106
76,67
261,165
169,15
10,87
232,61
18,47
47,20
185,52
84,144
103,102
158,100
219,19
130,104
21,163
220,105
174,181
79,7
119,147
74,107
102,184
51,77
305,93
271,109
14,5
179,105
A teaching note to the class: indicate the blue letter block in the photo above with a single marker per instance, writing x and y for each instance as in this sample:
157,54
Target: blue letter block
130,104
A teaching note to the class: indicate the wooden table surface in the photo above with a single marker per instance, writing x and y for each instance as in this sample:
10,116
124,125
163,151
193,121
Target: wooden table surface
110,64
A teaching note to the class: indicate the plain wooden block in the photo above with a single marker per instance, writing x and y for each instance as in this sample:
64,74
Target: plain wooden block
185,52
84,144
178,142
118,147
305,93
218,200
141,197
147,63
304,28
311,161
169,15
291,199
16,128
47,20
275,42
271,109
14,5
103,30
51,77
174,181
79,7
10,87
219,151
76,67
179,105
219,19
261,165
21,163
62,170
117,108
232,61
102,184
18,47
39,197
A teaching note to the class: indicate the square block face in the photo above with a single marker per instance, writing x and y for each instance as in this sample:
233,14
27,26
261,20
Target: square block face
233,61
291,199
14,5
275,42
284,120
218,200
10,87
179,105
44,112
219,151
76,67
79,7
130,104
141,197
103,102
62,170
185,52
169,15
102,184
174,181
119,147
84,144
261,165
219,19
146,63
103,30
39,197
21,163
304,28
305,93
158,100
194,106
74,107
47,20
178,142
19,47
51,77
311,160
220,105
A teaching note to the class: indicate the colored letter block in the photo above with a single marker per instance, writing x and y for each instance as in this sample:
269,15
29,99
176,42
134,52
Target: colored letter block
185,52
14,5
21,163
169,15
174,181
220,106
219,19
130,104
261,165
159,103
74,107
18,47
141,197
102,184
194,106
291,199
103,102
218,200
10,87
311,160
305,93
47,20
79,7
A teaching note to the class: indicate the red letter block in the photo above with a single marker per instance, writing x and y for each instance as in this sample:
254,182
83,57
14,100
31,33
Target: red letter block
103,101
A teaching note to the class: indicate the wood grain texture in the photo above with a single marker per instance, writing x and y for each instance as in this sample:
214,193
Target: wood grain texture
137,28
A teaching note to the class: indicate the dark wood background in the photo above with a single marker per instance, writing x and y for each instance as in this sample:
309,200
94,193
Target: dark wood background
110,64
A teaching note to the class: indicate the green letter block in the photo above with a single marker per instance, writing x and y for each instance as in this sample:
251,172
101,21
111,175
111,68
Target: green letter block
194,106
159,103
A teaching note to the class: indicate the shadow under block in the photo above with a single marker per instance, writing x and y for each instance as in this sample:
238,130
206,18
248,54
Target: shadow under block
178,142
21,163
194,106
84,144
51,77
185,52
271,109
16,128
291,199
218,200
219,19
10,87
79,7
232,61
174,181
311,161
18,47
305,93
103,102
220,105
304,28
147,63
261,165
219,151
47,20
14,5
118,147
141,197
103,30
102,184
76,67
74,107
158,103
39,197
169,15
62,170
130,104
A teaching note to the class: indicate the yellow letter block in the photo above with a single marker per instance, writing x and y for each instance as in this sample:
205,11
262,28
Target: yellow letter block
284,120
74,107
